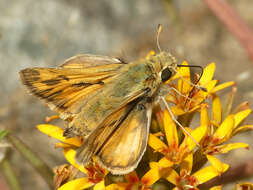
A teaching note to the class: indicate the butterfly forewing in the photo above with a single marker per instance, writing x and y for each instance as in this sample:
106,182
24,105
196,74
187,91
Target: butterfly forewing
64,88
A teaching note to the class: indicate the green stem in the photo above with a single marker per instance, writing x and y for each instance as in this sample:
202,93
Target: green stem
43,169
10,175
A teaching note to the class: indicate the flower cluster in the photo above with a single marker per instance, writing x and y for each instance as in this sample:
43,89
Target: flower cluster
174,159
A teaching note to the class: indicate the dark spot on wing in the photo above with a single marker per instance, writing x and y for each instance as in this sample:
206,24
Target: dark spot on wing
29,75
85,84
41,93
81,84
63,77
34,72
30,72
52,96
51,82
61,106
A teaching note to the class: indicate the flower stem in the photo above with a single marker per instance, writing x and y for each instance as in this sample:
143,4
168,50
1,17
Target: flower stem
10,175
43,169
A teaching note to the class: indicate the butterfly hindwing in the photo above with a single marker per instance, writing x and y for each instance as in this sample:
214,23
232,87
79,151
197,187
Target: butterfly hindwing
120,141
122,152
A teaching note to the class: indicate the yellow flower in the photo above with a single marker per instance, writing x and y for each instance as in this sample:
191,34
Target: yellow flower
178,154
174,153
94,174
184,179
220,131
186,98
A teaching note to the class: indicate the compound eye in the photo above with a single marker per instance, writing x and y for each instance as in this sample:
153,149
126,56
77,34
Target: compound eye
166,74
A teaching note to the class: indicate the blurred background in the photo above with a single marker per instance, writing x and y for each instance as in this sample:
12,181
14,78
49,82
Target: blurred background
45,33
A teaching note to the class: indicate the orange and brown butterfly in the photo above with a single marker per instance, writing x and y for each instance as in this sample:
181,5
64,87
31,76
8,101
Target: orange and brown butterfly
106,101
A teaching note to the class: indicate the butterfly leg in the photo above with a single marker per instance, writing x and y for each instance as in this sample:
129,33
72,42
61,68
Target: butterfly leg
176,121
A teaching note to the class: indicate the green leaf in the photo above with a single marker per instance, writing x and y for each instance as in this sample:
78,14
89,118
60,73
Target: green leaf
3,133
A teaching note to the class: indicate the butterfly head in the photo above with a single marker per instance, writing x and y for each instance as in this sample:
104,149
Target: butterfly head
165,65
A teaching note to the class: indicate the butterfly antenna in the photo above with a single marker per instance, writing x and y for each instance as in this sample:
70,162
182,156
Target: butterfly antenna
179,124
159,29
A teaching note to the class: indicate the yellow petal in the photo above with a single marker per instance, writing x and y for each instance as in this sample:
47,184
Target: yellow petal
216,110
151,176
216,188
222,86
186,164
194,109
177,110
57,133
62,145
156,143
153,165
242,129
216,163
208,173
201,95
171,176
99,186
184,71
240,116
225,129
165,163
158,170
210,85
207,74
170,129
77,184
204,119
70,156
228,147
183,86
197,134
114,187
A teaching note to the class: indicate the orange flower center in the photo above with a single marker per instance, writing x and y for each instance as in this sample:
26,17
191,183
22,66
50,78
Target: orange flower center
210,145
95,173
174,153
186,181
136,184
